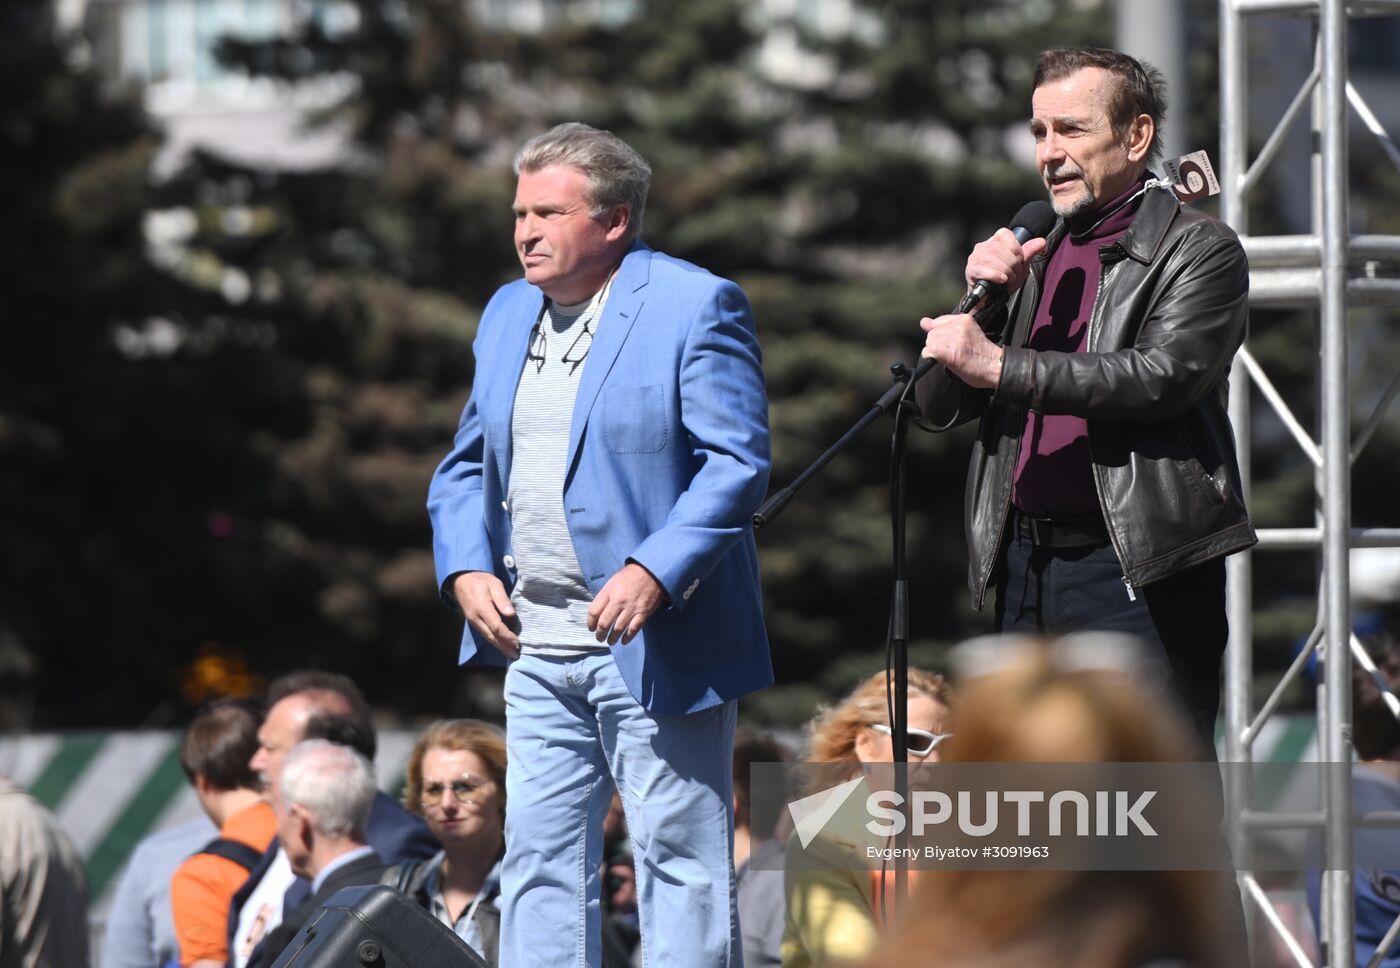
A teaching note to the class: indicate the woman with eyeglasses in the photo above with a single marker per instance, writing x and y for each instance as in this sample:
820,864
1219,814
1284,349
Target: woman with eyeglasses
456,780
833,896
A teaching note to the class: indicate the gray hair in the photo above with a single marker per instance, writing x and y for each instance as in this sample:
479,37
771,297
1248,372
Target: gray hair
616,174
333,783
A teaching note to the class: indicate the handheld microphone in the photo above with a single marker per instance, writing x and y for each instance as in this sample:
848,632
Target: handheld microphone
1034,220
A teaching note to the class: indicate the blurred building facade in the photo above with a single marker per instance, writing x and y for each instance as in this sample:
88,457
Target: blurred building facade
165,50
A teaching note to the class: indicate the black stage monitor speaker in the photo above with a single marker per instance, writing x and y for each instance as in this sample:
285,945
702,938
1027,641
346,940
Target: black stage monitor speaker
375,927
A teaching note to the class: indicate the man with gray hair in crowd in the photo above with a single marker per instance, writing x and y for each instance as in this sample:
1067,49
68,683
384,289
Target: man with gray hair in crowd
593,523
322,804
312,704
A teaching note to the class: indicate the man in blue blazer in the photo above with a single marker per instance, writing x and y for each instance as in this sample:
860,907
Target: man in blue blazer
592,522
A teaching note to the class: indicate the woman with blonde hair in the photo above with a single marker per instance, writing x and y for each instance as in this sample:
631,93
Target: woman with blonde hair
831,892
1047,705
456,780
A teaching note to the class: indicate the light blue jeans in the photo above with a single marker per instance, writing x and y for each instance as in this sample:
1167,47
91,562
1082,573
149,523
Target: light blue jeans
573,728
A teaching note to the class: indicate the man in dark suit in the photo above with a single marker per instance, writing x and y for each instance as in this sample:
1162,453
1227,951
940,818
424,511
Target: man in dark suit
323,805
312,704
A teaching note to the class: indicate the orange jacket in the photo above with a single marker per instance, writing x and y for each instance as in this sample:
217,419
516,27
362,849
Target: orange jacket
203,886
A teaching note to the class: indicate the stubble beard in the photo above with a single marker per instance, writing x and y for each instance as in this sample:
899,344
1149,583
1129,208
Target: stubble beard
1079,206
1082,203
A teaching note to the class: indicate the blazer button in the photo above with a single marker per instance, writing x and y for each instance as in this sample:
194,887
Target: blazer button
504,506
509,562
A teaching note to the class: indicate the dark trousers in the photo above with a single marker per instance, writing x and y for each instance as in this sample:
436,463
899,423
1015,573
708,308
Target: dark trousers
1181,619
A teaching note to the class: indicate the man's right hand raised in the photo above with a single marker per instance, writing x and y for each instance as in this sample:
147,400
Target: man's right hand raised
483,600
1002,261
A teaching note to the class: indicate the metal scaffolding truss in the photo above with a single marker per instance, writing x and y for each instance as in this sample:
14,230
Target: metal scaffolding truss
1328,270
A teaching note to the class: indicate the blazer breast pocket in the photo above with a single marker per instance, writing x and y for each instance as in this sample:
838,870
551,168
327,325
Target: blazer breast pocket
634,419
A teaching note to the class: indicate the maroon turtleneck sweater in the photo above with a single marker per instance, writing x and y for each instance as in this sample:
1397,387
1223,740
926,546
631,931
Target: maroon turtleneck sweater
1053,474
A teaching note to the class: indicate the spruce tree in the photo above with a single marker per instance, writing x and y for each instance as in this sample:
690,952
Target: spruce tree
101,511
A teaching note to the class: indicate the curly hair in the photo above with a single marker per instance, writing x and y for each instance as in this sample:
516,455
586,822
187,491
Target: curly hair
833,731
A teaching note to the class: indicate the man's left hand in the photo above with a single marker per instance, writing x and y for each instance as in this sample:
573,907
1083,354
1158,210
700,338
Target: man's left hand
960,345
624,604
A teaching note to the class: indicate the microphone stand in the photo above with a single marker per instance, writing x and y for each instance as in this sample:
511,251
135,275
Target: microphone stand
896,398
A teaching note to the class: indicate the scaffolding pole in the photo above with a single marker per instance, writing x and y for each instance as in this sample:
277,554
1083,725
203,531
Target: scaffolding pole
1317,271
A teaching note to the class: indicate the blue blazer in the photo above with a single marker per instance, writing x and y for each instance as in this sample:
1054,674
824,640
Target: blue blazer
668,460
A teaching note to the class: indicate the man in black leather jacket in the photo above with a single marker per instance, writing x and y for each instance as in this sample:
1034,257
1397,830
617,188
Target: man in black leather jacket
1104,490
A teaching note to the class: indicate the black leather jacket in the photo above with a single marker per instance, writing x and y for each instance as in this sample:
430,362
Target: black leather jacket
1152,384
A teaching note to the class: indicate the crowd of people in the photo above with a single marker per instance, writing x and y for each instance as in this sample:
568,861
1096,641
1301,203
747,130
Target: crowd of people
296,816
